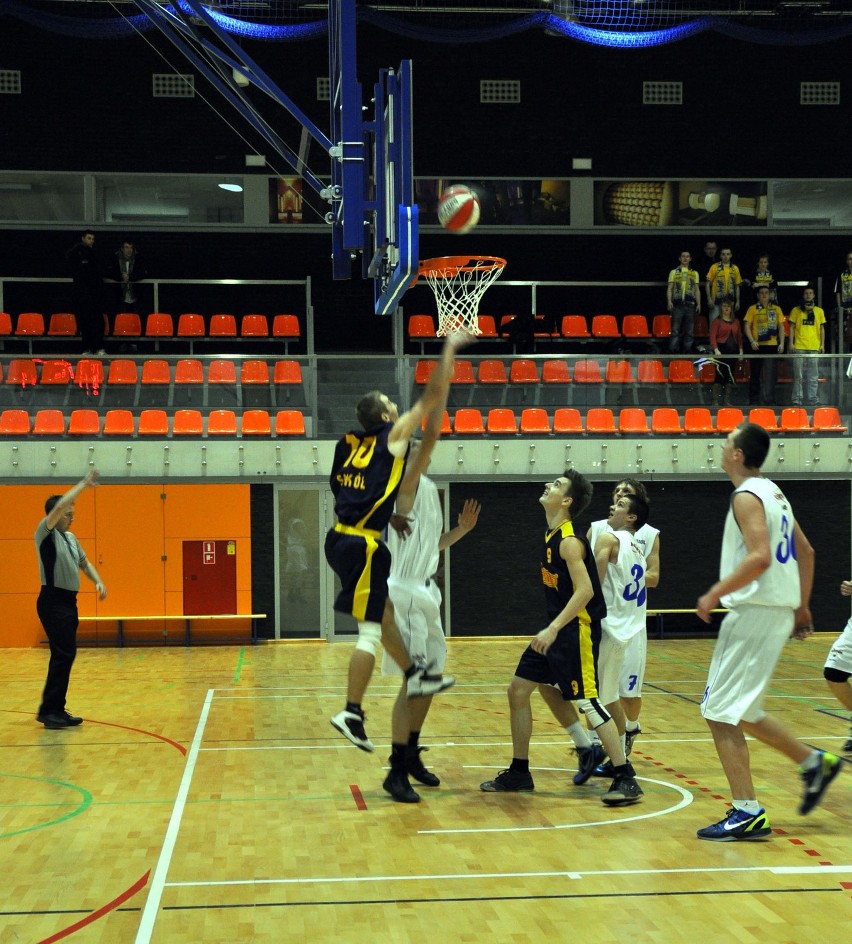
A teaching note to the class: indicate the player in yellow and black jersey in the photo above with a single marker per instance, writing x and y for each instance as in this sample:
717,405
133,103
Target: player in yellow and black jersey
366,474
565,652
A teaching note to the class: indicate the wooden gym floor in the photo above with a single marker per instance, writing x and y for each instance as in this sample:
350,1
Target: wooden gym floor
206,798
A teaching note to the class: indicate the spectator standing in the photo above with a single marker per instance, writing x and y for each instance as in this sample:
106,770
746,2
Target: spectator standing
126,269
684,302
763,276
807,339
843,297
764,330
726,337
87,273
723,283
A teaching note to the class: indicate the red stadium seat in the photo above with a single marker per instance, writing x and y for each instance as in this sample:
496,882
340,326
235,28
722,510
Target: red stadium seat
289,423
666,421
567,419
534,420
632,421
502,421
468,421
600,420
556,372
698,419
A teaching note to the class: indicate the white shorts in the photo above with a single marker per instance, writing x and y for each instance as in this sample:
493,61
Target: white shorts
417,610
610,663
633,670
751,639
840,654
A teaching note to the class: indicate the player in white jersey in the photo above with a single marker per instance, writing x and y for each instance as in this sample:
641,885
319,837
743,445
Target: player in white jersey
838,665
415,542
765,581
633,672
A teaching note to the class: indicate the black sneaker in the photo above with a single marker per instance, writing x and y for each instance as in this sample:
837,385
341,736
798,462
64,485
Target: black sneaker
629,738
588,759
817,780
509,781
847,747
397,785
415,767
736,825
604,770
58,719
622,791
351,725
422,683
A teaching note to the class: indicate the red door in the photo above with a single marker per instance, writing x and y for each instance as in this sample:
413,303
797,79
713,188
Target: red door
209,577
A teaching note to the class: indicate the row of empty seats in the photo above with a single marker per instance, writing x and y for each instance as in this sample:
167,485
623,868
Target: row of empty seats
587,371
24,372
157,325
574,327
88,423
634,421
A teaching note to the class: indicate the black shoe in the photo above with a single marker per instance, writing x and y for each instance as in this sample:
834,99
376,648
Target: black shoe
605,770
588,759
58,719
397,785
623,790
415,768
847,747
817,780
509,781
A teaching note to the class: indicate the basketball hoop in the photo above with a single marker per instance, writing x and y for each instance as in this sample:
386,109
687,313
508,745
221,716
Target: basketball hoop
459,282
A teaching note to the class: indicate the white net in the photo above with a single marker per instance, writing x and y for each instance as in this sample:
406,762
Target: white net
459,282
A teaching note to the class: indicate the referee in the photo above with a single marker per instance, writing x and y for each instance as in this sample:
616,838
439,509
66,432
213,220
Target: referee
60,560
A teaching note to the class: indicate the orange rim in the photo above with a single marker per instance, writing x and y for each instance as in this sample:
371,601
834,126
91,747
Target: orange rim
445,267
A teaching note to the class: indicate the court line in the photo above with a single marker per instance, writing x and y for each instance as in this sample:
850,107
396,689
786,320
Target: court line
686,799
155,894
574,874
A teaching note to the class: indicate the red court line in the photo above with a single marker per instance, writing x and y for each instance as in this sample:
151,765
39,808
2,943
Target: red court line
105,909
360,802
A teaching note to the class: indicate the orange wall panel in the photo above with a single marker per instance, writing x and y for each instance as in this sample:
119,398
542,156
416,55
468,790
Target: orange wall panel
202,512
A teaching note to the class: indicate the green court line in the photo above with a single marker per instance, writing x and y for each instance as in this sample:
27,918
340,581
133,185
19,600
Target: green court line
84,804
241,661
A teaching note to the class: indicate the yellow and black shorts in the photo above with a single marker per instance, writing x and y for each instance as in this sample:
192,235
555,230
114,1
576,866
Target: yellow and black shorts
362,562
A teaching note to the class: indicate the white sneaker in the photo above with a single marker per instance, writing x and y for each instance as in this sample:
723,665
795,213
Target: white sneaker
421,683
100,352
86,354
351,726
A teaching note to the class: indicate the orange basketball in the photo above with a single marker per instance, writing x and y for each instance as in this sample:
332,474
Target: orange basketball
458,209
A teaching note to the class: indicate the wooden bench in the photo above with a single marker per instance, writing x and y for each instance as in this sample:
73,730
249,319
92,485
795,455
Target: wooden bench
659,615
187,618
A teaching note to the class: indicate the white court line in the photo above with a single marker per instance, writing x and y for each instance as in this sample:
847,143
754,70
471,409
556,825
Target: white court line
577,874
152,905
686,799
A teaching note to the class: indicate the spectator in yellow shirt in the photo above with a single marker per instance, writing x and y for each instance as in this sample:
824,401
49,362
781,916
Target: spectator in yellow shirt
807,339
723,284
764,331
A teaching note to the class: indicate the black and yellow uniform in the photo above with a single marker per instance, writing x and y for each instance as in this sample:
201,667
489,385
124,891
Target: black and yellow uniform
571,662
365,478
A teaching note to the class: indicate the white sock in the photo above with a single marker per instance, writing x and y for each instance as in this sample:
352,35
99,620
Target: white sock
624,744
631,726
811,761
752,807
594,739
578,735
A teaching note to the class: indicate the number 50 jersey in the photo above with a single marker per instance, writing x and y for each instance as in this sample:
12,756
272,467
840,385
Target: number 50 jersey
779,584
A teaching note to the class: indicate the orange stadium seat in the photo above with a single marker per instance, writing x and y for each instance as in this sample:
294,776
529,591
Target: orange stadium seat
446,428
728,418
600,420
827,420
605,326
765,417
90,375
698,419
421,327
256,423
156,372
159,324
289,423
468,421
567,419
574,326
254,373
14,423
635,327
127,324
190,325
423,371
682,372
84,423
21,373
666,421
49,423
5,323
222,372
662,326
187,423
492,372
651,372
153,423
56,373
286,326
619,372
534,420
501,421
556,372
523,371
189,371
487,327
118,423
463,373
122,373
223,326
794,419
632,420
588,372
221,423
287,372
254,326
30,324
62,324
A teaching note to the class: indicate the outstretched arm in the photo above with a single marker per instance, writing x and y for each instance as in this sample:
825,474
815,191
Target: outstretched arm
468,517
59,509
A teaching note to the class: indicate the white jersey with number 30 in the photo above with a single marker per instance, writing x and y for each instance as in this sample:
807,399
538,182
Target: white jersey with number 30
779,584
624,590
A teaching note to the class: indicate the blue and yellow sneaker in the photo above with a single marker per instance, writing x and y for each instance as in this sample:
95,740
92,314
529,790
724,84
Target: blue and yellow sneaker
737,825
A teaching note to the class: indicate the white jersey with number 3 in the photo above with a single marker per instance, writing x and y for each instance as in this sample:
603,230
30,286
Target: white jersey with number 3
624,590
779,584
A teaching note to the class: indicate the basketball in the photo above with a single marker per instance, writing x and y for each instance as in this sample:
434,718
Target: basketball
458,209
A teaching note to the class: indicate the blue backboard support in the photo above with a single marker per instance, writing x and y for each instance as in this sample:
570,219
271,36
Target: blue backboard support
370,193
